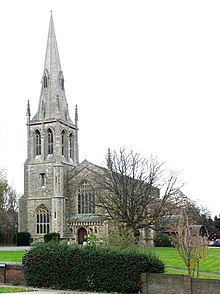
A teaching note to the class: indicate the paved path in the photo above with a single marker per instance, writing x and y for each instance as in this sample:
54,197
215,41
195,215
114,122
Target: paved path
44,291
13,248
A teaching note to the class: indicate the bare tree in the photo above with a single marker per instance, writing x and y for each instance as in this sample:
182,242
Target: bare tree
4,187
133,191
191,245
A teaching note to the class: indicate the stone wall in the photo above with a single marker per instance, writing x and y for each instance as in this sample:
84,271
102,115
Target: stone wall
178,284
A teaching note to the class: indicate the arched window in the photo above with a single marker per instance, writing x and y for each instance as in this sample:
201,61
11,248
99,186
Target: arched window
50,141
37,143
63,143
71,145
86,198
42,220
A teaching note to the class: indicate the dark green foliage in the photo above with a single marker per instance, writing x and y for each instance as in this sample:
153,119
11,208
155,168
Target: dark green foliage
55,237
87,268
163,240
23,239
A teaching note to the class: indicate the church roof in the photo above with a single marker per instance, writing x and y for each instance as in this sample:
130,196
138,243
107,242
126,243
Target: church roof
85,164
52,104
85,219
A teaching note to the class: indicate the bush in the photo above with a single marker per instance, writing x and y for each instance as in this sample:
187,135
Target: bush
23,239
92,240
55,237
163,240
87,268
120,236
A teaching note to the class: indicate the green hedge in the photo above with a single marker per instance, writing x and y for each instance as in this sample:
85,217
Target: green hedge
86,268
23,239
52,237
163,240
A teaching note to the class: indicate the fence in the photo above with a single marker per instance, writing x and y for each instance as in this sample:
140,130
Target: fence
8,238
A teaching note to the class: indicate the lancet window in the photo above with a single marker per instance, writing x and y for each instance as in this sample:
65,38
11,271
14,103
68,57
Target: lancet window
42,180
45,79
50,141
63,143
61,80
71,145
37,142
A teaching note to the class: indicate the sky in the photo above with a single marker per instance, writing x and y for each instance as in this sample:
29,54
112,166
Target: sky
144,74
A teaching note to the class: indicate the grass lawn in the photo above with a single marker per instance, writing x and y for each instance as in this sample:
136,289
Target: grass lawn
171,258
11,256
12,290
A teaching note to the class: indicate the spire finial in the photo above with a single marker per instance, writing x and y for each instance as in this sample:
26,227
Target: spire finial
76,115
28,113
76,112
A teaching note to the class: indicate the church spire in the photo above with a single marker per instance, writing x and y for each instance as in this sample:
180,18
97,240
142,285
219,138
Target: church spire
52,104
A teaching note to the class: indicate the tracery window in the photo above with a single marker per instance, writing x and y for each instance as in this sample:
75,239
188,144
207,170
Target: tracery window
37,142
42,220
86,198
50,141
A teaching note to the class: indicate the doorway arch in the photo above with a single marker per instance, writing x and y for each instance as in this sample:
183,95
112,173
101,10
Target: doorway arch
82,233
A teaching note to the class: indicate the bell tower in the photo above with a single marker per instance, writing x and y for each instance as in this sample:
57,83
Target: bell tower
52,150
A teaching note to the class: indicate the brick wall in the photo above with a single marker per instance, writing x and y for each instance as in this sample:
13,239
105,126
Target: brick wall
11,272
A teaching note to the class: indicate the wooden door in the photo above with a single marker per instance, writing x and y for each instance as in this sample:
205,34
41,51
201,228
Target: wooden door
82,233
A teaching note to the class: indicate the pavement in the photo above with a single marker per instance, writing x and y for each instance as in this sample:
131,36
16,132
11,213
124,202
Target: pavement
43,291
13,248
39,291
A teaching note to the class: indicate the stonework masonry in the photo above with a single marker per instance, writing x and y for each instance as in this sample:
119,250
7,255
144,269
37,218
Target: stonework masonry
178,284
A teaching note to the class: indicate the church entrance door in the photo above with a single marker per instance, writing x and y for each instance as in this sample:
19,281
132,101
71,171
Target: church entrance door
82,233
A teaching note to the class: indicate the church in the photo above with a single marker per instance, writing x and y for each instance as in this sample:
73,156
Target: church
59,192
52,154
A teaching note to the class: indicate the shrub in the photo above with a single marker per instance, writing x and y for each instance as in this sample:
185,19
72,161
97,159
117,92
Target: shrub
163,240
92,240
23,239
55,237
87,268
120,236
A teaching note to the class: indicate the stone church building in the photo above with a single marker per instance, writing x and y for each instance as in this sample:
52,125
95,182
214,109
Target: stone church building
52,156
52,153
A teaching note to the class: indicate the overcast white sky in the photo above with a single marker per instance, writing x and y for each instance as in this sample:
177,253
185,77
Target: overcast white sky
145,75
